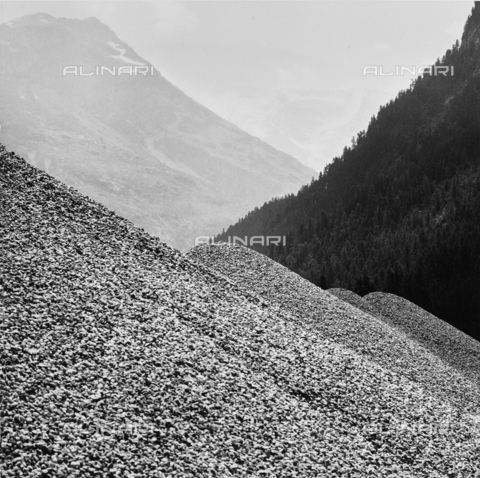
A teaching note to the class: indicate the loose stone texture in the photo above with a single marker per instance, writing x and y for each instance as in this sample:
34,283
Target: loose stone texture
121,357
454,347
357,301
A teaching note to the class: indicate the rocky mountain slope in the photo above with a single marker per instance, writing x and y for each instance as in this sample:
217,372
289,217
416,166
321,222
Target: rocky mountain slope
133,142
120,356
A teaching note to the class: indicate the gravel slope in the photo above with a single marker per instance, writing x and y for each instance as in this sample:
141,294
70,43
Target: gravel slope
448,343
120,356
453,346
329,317
356,300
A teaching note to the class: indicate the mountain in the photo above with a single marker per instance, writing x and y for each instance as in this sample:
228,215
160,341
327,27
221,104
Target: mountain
134,142
311,123
121,356
398,211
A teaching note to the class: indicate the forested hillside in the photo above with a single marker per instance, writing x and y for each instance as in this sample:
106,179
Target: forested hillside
399,210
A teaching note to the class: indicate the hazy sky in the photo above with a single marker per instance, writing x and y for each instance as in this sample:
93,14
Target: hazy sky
230,56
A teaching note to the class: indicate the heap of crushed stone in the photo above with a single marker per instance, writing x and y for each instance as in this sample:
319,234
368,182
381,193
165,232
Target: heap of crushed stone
453,346
331,318
122,357
354,299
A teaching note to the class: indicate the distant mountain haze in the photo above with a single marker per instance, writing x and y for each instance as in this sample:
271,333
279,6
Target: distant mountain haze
313,124
399,210
134,142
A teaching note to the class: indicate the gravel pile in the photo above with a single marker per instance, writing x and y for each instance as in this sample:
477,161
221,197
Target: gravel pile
121,357
354,299
459,350
448,343
330,318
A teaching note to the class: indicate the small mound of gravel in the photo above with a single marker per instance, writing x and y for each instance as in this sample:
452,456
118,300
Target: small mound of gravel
354,299
447,342
121,357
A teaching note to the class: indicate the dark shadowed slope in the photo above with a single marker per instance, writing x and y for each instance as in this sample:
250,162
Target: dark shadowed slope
121,357
450,344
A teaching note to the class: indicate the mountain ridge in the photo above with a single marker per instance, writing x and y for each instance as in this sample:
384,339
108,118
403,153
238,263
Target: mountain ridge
135,142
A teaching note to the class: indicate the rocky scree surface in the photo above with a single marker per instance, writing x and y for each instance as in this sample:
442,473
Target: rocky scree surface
119,356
